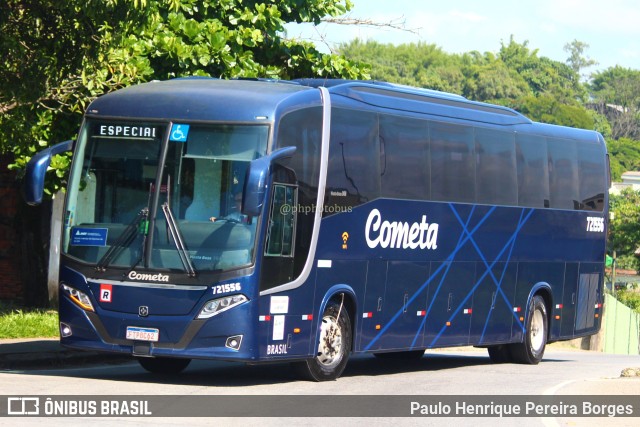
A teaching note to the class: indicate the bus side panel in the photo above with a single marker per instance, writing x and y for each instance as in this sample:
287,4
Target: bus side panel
569,292
589,296
287,322
372,306
448,314
492,317
405,298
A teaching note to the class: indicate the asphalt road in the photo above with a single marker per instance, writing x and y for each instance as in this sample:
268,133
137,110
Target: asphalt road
438,373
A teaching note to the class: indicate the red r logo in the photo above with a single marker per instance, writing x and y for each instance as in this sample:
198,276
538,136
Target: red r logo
105,293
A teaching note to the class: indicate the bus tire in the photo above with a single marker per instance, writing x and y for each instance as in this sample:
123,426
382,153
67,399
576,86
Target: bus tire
531,350
499,353
164,365
334,346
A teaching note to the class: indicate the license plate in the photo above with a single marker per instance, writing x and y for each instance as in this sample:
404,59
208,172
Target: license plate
142,334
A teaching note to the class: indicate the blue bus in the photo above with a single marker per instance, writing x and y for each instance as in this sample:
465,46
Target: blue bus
303,221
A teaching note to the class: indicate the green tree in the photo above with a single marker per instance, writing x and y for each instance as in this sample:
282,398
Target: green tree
625,156
576,60
416,64
617,94
545,90
489,79
543,75
624,228
545,108
56,56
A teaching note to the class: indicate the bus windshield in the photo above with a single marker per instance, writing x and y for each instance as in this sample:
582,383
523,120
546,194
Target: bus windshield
119,215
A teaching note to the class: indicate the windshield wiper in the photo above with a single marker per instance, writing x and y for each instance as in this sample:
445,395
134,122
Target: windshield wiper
178,241
140,224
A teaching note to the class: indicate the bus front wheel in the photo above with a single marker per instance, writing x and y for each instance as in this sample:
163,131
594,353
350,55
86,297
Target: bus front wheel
531,350
164,365
334,345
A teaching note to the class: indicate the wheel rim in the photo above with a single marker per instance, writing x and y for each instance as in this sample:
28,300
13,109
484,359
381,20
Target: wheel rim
537,333
330,347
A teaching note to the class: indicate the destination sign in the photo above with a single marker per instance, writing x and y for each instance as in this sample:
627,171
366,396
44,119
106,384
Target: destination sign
126,131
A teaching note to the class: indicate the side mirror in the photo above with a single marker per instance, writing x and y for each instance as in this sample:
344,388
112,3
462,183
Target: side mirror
36,170
255,183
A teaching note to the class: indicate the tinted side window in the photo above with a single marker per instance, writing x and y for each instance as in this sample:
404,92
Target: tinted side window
302,129
592,176
452,162
282,222
353,175
563,174
496,181
533,173
404,161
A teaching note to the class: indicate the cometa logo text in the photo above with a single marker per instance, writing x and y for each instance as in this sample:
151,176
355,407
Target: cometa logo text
134,275
400,235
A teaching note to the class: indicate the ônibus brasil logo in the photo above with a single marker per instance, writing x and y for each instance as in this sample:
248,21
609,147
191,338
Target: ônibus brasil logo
400,235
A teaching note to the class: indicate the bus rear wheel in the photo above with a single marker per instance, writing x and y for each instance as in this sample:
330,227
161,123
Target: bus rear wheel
163,365
531,350
334,346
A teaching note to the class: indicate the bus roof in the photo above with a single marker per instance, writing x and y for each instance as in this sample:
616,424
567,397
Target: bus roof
197,98
425,101
205,98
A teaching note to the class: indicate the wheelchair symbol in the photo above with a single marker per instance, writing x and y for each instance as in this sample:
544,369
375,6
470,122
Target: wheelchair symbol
179,133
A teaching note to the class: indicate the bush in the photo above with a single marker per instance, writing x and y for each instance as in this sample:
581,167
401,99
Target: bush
629,298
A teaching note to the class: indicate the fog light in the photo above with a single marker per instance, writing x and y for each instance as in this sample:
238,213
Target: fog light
65,330
234,342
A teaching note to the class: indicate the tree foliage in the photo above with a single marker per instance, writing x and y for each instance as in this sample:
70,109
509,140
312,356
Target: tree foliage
617,94
624,228
56,56
515,76
577,59
625,156
548,109
629,298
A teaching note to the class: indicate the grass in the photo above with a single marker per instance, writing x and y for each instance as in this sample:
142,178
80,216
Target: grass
18,322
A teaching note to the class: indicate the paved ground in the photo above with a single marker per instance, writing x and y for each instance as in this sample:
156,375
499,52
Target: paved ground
44,353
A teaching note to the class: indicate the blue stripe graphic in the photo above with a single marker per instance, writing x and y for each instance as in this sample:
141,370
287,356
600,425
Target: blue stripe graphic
465,236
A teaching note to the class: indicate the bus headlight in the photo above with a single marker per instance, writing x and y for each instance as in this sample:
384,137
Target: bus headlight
80,298
218,305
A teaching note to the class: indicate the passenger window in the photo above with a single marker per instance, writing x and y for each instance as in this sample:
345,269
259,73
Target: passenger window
563,174
496,182
593,179
282,221
452,162
404,160
533,173
353,175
